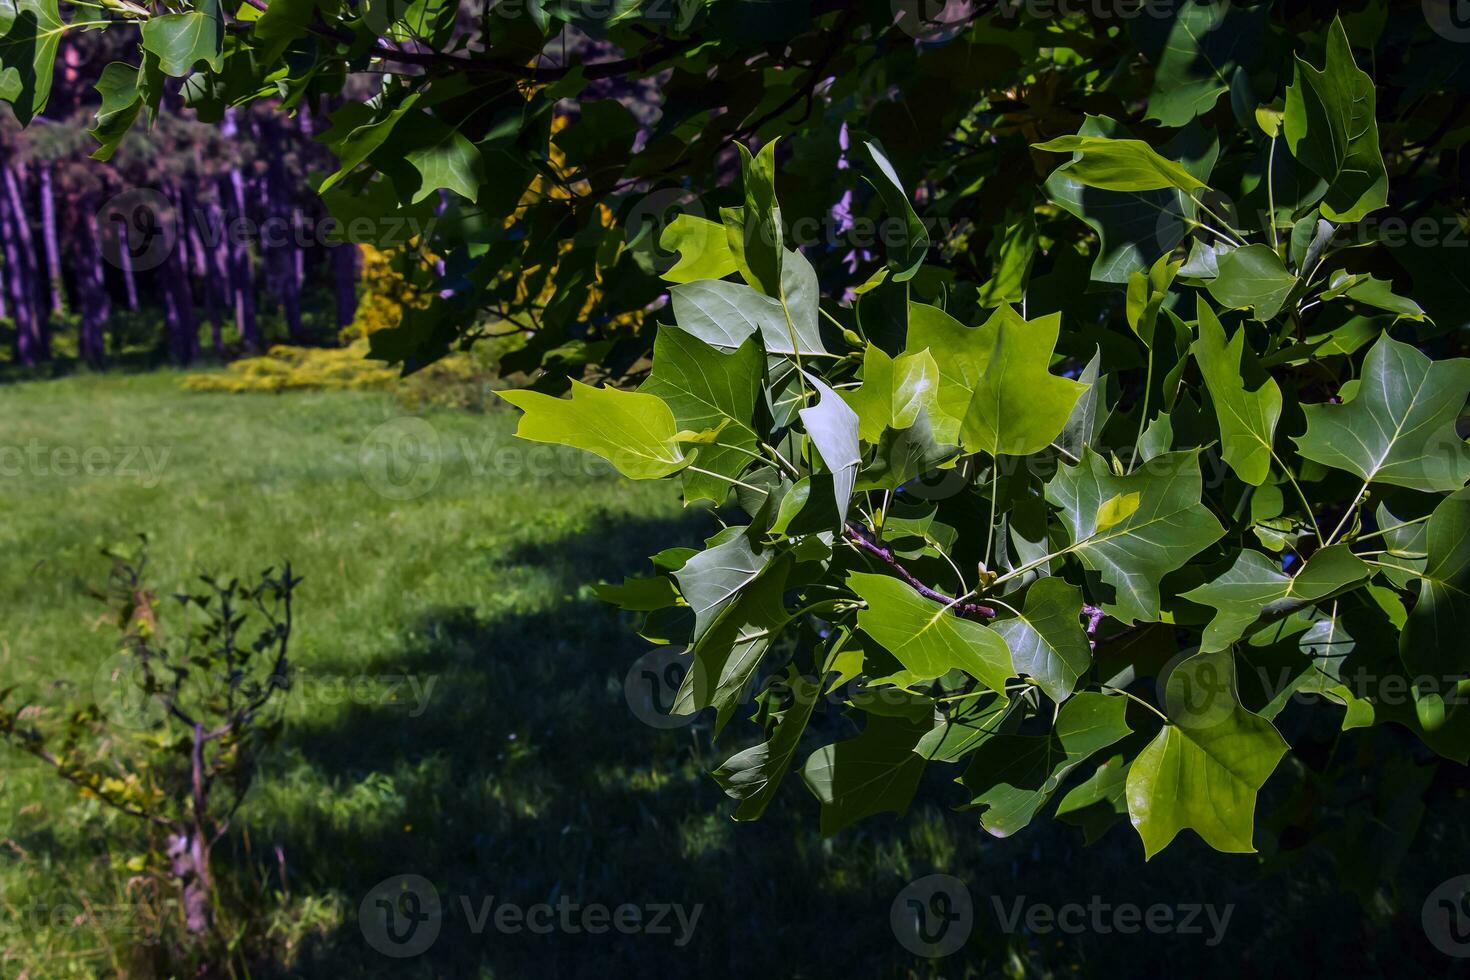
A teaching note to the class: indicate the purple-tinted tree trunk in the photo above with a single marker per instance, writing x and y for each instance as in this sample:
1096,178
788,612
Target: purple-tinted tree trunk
96,306
198,262
51,241
344,282
32,345
242,272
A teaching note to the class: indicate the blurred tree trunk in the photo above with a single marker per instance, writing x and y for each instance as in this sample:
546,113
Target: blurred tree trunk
242,272
51,241
179,292
344,282
190,213
92,287
32,343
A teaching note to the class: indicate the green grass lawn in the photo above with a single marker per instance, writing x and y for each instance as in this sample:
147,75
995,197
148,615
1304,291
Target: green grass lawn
460,715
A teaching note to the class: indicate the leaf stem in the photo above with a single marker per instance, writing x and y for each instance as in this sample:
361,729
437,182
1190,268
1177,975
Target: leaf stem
1321,542
1390,530
1148,378
730,479
1352,509
1134,697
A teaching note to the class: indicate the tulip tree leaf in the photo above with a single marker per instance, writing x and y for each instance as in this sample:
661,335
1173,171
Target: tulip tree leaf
1399,428
833,429
30,34
754,775
712,578
1203,769
1018,406
707,389
757,247
876,772
1121,165
1255,586
183,40
634,431
1247,418
704,252
121,103
1013,776
928,639
723,314
893,392
727,654
1134,228
1046,638
1195,52
1434,638
914,242
1169,527
1330,127
1253,278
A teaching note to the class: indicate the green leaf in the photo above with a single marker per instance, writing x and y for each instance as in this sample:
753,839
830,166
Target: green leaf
633,431
1146,294
757,246
907,254
1331,127
1399,429
1377,293
707,389
1255,586
926,637
1097,803
121,103
1247,418
1047,640
712,578
1011,255
1434,638
1203,769
30,33
723,314
1170,526
905,454
1013,776
1252,277
1195,53
727,655
893,392
1134,228
1121,164
876,772
968,725
704,252
833,430
1018,406
181,41
357,131
442,156
754,775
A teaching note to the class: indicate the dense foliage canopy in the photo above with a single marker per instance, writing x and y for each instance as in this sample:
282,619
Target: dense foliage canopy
1085,379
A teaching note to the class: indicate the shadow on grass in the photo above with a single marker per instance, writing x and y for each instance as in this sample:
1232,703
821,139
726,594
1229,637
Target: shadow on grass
518,775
